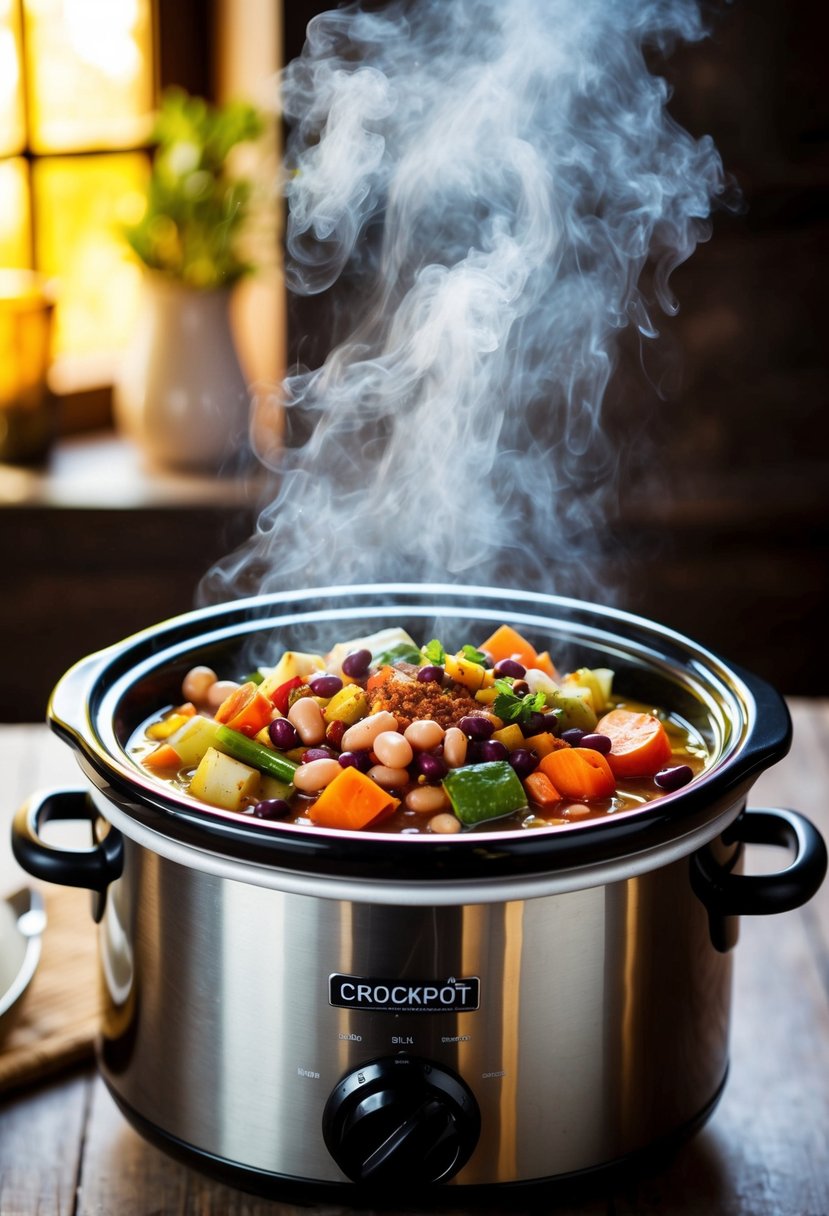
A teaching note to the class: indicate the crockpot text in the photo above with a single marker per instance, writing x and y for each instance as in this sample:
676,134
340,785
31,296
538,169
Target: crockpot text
393,996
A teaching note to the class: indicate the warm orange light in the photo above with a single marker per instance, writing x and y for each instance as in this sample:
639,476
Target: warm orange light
89,65
27,412
82,201
12,113
15,231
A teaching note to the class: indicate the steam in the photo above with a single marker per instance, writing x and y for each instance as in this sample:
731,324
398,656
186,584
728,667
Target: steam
502,172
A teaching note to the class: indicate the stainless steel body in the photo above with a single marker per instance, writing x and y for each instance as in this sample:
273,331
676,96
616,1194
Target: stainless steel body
602,1018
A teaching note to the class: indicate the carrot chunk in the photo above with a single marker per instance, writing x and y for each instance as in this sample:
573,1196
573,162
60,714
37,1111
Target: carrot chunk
352,800
379,678
579,772
641,746
541,790
507,643
162,757
246,709
544,663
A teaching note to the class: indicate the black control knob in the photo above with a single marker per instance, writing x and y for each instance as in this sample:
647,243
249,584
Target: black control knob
401,1119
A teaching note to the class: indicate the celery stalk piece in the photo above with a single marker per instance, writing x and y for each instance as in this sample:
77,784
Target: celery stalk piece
255,754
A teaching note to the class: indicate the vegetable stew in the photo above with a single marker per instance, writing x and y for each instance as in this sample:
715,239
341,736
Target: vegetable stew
383,734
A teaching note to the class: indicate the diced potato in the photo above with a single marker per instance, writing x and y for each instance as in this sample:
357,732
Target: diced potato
575,710
540,681
292,664
511,736
272,787
348,705
192,739
598,682
225,782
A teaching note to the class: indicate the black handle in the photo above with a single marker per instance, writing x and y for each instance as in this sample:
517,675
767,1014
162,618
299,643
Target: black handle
93,868
727,894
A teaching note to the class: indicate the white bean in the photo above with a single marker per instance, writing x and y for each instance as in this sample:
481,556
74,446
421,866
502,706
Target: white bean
388,778
306,715
392,749
196,683
454,747
315,775
576,810
424,734
219,692
427,799
445,824
360,737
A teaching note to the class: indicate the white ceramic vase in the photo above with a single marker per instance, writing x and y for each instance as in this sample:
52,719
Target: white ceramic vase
180,393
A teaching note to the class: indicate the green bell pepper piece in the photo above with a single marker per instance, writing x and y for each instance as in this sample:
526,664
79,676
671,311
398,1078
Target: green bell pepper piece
479,792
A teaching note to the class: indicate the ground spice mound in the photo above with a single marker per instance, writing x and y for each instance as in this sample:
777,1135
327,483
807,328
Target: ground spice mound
409,700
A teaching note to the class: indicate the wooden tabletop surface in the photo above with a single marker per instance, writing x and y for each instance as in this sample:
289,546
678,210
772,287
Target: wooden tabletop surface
65,1148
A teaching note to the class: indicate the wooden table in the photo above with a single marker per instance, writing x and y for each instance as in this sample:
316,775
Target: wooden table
65,1148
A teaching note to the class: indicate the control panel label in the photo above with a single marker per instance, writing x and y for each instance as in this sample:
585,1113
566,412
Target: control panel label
449,995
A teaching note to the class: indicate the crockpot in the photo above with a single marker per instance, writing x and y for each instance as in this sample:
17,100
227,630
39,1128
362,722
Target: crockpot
329,1015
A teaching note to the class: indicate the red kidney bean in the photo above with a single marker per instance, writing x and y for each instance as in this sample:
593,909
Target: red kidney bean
523,760
283,734
597,743
361,760
324,685
430,675
674,778
493,749
356,664
476,726
509,667
433,768
272,808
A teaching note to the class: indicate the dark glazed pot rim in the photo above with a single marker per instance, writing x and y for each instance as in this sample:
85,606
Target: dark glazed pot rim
101,700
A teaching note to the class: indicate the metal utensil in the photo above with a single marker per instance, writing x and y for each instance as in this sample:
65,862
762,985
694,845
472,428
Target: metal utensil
22,921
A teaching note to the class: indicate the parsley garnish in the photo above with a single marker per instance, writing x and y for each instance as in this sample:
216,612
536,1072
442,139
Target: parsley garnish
473,656
434,652
403,652
511,708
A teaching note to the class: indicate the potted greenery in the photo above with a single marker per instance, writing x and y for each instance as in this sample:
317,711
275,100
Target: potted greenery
180,391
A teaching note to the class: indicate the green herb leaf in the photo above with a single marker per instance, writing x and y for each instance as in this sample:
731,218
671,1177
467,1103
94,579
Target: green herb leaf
402,652
434,652
473,656
511,708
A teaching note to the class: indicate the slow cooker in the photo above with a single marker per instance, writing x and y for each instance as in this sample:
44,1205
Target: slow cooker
331,1015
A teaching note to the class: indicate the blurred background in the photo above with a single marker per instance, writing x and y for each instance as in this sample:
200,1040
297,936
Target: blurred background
721,526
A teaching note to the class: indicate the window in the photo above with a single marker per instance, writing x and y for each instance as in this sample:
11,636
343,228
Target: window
77,92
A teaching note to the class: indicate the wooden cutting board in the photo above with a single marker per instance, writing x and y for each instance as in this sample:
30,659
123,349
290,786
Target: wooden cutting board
58,1017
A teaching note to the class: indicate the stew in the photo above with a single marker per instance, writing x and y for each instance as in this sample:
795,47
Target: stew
386,735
